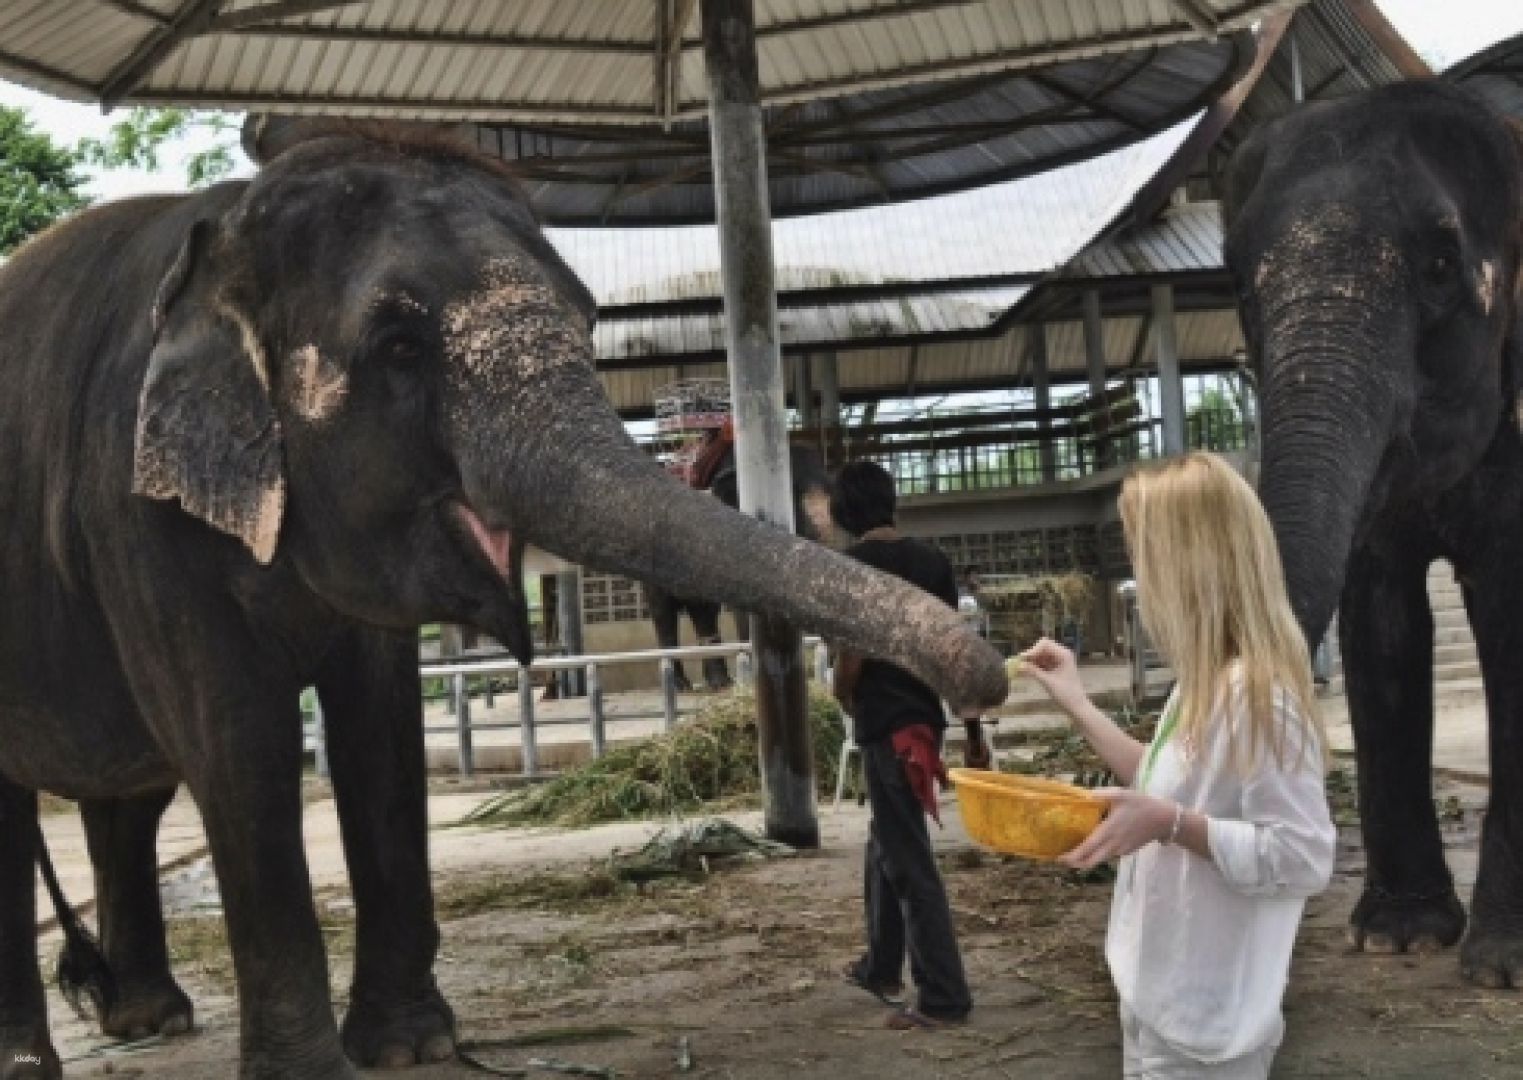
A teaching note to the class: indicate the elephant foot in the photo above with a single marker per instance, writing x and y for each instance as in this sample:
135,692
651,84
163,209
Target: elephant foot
159,1008
1386,921
1492,955
395,1035
28,1056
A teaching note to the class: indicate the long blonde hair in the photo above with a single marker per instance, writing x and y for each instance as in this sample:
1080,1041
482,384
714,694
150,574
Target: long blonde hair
1211,591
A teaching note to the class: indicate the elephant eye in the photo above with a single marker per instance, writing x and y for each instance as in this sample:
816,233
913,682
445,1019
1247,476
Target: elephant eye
1441,267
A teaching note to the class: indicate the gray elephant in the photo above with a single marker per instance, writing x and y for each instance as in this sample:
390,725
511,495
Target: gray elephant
811,514
252,439
1375,242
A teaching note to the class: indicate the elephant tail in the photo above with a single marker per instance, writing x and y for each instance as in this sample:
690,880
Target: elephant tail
82,969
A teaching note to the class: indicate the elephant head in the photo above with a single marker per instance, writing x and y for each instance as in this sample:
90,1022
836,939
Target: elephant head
1375,246
370,364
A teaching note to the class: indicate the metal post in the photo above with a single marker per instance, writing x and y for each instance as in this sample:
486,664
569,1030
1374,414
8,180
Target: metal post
1041,388
568,604
1094,364
528,748
450,646
803,390
821,663
596,722
743,671
756,394
1297,90
830,409
462,699
668,694
1171,387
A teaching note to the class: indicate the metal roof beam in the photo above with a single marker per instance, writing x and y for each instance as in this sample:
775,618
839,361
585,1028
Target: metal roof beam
141,11
669,54
456,110
1197,15
43,71
285,9
1092,101
360,35
192,19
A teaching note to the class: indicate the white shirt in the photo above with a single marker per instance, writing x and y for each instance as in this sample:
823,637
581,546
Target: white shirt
1200,951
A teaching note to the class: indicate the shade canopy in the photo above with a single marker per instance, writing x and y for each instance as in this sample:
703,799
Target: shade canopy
1496,74
858,150
605,103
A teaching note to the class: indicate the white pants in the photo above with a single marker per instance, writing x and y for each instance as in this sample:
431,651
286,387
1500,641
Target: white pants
1145,1056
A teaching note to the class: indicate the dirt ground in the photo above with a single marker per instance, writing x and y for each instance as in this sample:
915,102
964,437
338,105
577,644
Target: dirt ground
744,963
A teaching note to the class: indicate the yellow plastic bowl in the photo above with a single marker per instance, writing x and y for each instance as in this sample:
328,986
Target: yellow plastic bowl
1024,815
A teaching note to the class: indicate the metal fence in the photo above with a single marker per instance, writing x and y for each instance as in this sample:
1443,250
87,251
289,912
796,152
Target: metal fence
472,678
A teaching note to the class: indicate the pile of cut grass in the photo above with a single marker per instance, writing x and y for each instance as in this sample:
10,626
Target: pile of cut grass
707,759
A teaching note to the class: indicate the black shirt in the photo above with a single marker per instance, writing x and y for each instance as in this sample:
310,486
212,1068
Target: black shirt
887,697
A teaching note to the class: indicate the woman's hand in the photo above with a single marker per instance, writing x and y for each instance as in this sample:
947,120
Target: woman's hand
1133,821
1056,669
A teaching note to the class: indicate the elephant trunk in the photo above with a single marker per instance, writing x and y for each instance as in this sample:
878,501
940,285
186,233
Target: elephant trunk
1328,418
580,487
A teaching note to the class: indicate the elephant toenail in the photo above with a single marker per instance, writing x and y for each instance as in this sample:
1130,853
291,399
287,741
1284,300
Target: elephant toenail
1381,944
175,1025
1425,945
395,1057
437,1048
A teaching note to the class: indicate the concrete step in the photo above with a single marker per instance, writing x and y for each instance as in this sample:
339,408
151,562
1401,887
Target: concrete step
1450,619
1453,635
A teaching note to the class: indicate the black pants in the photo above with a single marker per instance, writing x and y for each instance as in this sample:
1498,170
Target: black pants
905,900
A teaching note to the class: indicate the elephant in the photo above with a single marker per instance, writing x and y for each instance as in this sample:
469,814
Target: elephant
811,514
254,437
1375,242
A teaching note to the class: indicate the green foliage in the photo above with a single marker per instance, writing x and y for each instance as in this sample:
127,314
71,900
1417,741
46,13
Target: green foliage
1215,423
136,142
38,179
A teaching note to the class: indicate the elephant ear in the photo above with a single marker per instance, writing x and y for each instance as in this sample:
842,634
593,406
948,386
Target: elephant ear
207,433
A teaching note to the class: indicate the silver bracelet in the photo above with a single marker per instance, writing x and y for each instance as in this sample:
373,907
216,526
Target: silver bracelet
1179,817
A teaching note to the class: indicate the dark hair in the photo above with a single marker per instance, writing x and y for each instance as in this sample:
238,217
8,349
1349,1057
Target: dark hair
863,497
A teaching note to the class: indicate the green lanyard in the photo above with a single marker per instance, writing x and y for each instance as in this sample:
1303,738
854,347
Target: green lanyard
1161,736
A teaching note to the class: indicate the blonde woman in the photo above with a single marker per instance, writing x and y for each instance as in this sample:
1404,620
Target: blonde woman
1224,829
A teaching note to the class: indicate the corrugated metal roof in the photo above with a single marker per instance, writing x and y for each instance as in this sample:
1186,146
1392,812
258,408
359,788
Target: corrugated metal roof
612,61
1496,74
869,149
1209,338
1341,47
1181,239
820,326
1021,227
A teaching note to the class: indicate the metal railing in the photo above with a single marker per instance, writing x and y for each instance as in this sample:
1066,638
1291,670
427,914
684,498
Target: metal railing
463,672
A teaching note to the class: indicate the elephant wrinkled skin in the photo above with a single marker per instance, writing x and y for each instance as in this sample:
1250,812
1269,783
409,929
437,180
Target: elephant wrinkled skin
1376,246
251,439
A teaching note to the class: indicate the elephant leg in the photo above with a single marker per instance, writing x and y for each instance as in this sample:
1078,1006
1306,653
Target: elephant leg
26,1051
244,769
665,613
1386,631
1492,954
122,834
705,616
372,707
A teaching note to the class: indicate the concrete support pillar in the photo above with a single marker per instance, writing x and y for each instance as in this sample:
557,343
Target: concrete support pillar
1171,387
757,403
1041,387
1094,365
